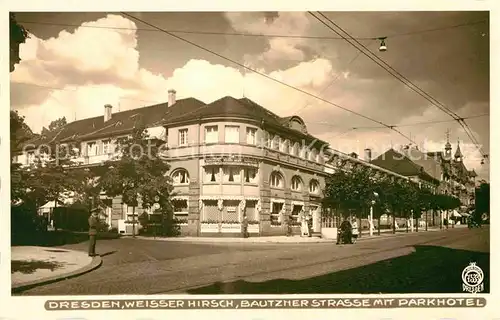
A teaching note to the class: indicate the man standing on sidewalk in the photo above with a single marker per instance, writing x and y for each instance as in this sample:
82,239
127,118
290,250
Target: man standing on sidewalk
93,223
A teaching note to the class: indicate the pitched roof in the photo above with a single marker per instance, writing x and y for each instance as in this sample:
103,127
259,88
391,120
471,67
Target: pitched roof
458,152
123,121
401,164
426,161
229,106
184,110
243,108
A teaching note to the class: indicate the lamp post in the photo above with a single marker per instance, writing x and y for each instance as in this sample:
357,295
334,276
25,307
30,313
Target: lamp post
371,214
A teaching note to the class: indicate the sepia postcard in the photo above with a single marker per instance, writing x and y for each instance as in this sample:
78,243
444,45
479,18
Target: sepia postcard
173,160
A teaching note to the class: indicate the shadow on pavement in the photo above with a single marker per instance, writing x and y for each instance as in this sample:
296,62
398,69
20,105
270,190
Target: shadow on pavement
54,238
430,269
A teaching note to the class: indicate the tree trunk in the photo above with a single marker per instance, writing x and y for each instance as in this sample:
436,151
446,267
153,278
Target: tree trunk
378,225
426,220
133,222
417,223
359,227
394,223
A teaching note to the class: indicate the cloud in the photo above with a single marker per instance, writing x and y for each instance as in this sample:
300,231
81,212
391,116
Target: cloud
76,73
96,66
279,49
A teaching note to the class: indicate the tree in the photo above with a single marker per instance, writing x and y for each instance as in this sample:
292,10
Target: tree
54,125
482,199
350,189
139,176
18,35
19,134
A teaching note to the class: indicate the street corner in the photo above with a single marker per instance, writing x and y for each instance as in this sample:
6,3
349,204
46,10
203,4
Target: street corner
33,266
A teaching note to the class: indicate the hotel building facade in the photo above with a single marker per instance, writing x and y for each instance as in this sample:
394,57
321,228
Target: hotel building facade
229,159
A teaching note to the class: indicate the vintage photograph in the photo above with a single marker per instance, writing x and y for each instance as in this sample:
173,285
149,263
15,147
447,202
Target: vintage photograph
313,152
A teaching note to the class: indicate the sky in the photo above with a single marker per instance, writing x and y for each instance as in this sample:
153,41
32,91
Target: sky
75,63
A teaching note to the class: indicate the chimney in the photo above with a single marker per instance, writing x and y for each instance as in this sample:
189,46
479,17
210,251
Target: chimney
171,97
368,154
107,112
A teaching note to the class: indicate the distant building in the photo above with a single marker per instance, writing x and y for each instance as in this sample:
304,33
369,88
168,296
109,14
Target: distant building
442,172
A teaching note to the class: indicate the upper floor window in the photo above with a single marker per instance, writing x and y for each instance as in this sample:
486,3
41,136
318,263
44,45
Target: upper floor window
91,149
212,174
269,140
106,147
294,150
183,137
284,145
251,175
232,134
314,187
180,176
30,157
276,142
312,155
251,136
232,174
277,180
211,134
305,153
296,183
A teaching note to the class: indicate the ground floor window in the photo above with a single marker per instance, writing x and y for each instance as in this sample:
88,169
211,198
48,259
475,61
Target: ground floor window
230,211
296,209
251,210
210,211
180,210
276,208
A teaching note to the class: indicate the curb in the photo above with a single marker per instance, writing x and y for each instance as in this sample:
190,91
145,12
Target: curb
94,264
248,241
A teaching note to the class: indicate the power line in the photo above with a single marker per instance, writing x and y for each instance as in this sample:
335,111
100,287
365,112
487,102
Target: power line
377,60
406,124
241,34
330,84
396,74
264,75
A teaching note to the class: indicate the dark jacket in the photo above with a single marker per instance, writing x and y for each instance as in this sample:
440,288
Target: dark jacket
93,223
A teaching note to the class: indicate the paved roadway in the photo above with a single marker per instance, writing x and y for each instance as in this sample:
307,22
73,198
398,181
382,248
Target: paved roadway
419,262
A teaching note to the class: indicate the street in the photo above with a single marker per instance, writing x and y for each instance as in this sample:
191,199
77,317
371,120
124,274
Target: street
425,262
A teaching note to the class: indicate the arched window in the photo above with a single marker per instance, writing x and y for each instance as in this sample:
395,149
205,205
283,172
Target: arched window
314,187
180,176
296,183
277,180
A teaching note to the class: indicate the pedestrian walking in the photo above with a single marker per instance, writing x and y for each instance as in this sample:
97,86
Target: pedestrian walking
93,224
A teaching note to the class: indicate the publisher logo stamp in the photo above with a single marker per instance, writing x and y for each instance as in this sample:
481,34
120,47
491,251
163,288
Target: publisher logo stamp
473,278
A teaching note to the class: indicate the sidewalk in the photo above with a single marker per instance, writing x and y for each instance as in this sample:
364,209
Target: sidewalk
282,239
32,266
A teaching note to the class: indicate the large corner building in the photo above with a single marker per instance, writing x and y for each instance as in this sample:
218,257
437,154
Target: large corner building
228,159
